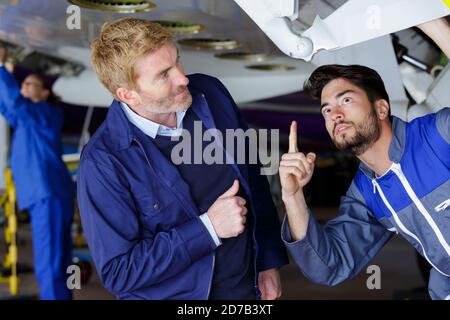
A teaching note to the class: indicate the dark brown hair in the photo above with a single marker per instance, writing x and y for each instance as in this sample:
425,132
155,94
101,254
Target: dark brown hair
363,77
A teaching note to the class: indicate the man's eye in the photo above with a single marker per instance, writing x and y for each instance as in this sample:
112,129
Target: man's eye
347,100
164,75
326,111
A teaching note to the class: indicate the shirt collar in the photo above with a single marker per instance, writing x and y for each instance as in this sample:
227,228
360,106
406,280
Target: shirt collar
151,128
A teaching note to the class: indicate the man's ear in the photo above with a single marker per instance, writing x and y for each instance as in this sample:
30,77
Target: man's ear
382,109
130,97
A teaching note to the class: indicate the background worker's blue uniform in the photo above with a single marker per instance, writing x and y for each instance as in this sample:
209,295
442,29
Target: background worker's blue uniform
43,184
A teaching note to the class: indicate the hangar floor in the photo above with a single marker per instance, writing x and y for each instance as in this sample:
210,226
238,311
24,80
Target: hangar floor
400,275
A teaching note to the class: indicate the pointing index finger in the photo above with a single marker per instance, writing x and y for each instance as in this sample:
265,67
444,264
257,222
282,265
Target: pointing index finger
293,138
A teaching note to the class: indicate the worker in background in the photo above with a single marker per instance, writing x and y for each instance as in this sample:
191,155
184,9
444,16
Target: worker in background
42,182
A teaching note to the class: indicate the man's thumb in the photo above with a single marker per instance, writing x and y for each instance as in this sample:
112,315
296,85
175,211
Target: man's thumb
311,157
232,191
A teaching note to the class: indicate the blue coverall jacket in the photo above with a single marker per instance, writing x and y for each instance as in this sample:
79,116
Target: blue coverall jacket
140,221
36,148
411,199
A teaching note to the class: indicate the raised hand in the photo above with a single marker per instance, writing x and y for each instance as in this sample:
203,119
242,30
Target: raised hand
439,31
296,169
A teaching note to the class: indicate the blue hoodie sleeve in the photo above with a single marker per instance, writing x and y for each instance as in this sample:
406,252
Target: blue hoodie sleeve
124,260
338,251
13,106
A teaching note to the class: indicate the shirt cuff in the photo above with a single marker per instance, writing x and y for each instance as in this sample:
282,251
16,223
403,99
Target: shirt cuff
207,222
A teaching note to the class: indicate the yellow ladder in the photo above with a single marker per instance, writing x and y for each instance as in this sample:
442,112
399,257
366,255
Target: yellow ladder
8,201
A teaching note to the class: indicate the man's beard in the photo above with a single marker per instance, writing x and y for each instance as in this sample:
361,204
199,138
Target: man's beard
168,104
366,133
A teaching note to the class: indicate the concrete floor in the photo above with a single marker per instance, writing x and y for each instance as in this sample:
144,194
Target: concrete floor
397,261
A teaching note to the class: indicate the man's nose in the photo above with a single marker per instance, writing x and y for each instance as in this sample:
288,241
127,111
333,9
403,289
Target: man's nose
180,78
337,115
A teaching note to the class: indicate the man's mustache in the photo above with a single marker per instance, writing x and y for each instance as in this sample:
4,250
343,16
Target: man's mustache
181,89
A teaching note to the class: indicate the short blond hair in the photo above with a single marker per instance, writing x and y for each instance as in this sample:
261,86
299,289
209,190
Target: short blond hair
120,44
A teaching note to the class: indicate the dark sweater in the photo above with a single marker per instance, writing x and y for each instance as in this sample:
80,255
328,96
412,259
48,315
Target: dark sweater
207,182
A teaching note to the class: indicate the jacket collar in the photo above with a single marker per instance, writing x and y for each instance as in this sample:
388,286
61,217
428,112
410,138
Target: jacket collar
123,132
396,148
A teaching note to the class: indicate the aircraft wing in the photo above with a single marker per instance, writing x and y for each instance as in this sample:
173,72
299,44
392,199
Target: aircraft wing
300,28
256,71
